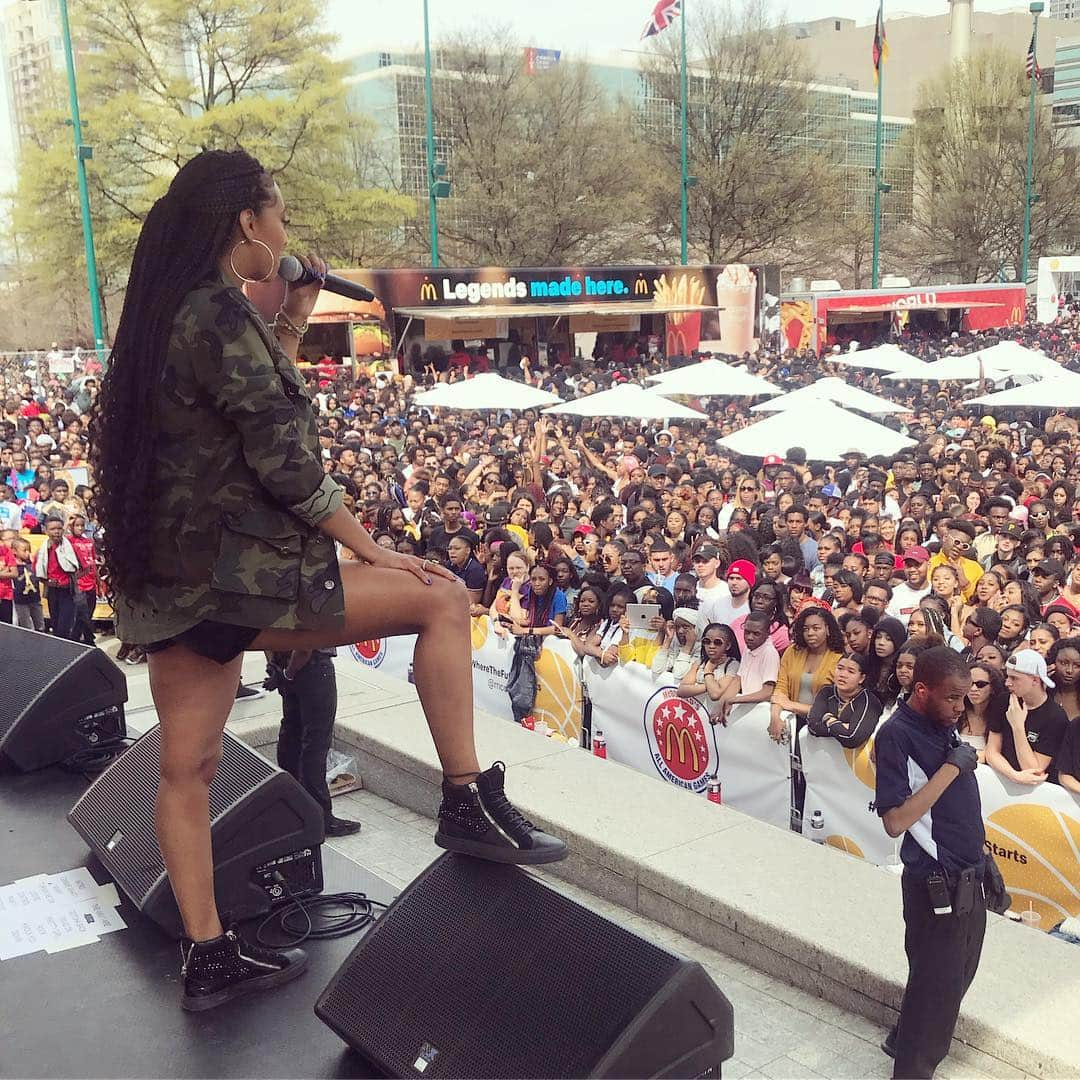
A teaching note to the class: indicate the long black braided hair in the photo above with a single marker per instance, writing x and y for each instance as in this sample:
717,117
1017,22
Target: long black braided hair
182,239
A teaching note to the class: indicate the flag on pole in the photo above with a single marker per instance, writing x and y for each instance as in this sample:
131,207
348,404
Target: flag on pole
881,45
664,13
1032,66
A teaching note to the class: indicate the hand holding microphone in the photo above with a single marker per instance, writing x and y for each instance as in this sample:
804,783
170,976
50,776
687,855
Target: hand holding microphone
302,274
305,282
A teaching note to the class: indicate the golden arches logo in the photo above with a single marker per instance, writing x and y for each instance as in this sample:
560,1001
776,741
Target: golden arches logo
641,286
1036,849
428,291
684,738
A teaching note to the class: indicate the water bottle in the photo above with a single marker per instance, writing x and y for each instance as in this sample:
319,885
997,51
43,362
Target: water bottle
817,827
599,745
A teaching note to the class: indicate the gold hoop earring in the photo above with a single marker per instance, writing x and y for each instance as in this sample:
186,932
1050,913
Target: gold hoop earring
252,281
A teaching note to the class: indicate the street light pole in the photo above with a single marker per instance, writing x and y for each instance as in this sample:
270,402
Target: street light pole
1036,8
433,209
82,153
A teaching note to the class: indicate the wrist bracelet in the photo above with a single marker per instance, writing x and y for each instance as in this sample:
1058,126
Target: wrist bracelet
282,322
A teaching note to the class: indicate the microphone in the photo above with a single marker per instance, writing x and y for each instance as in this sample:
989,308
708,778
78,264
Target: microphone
292,270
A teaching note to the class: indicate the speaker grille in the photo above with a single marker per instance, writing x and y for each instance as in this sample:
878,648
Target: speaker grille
117,811
30,665
504,974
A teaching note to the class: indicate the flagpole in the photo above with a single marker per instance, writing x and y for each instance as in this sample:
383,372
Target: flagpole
1035,8
878,188
684,183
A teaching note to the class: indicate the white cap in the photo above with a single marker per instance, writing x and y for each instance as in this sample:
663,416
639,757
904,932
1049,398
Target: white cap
1029,662
686,615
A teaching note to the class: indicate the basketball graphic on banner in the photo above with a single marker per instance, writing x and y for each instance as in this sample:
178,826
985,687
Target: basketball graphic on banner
846,845
678,745
1035,849
370,653
861,762
558,694
479,631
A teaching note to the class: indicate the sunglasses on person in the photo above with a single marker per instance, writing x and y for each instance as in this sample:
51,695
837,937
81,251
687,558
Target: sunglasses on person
748,487
713,641
1040,513
979,684
961,545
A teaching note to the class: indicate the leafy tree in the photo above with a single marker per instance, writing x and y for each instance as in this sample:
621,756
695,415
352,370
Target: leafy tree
970,151
168,78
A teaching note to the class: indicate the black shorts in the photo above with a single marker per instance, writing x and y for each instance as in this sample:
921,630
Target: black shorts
220,642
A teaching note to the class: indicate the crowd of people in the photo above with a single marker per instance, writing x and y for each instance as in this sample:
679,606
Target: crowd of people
812,586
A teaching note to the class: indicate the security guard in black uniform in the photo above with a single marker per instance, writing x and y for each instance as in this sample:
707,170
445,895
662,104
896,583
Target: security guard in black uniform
926,790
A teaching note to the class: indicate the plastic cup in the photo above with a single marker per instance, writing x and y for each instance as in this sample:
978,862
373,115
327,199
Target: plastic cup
1030,918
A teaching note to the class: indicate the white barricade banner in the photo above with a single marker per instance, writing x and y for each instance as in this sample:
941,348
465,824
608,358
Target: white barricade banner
1034,835
755,772
841,783
558,696
650,728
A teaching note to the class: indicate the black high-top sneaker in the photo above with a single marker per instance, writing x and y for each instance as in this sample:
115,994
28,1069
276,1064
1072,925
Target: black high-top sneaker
228,967
478,819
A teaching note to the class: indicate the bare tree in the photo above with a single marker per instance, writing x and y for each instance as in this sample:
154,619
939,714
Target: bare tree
542,166
763,157
970,150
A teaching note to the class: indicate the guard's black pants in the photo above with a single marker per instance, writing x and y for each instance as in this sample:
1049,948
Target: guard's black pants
943,955
83,623
309,708
61,611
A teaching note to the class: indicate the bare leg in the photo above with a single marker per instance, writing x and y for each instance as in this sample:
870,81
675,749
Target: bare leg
383,603
193,697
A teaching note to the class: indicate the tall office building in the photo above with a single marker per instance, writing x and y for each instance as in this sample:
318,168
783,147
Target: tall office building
1064,9
32,51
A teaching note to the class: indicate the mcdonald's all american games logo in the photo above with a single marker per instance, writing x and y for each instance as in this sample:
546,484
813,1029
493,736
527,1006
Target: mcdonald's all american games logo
369,653
678,746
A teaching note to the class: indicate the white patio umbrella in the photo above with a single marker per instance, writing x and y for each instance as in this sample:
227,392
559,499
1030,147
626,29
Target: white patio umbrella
1012,358
823,429
886,357
835,390
628,401
485,392
1060,391
711,378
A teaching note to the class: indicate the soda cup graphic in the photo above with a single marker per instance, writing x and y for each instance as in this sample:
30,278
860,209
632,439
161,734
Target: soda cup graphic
714,791
599,745
529,723
736,297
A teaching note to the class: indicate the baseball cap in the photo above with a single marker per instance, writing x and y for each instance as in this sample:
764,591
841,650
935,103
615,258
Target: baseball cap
916,554
583,530
772,459
743,568
1051,568
706,551
802,581
1029,662
832,491
1012,530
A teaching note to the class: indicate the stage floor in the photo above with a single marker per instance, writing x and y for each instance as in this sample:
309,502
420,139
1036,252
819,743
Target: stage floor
111,1009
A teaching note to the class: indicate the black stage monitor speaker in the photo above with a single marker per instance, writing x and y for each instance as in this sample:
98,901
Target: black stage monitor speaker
482,970
262,822
58,697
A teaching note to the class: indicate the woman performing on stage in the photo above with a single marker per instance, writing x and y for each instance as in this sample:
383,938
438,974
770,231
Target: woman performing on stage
219,528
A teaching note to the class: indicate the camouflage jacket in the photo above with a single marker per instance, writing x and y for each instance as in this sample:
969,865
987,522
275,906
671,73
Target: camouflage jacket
239,486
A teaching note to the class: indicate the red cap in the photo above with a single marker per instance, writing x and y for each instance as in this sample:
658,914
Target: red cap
584,530
745,569
917,554
772,459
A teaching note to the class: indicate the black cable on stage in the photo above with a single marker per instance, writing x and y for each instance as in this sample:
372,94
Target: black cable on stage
93,760
316,918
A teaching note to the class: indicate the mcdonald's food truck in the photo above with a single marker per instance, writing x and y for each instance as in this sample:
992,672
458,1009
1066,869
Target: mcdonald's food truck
819,320
551,311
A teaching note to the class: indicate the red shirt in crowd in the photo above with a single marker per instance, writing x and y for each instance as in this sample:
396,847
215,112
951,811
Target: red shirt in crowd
57,576
7,585
84,549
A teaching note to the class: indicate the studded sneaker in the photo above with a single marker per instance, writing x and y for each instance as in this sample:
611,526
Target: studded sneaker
227,967
478,819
